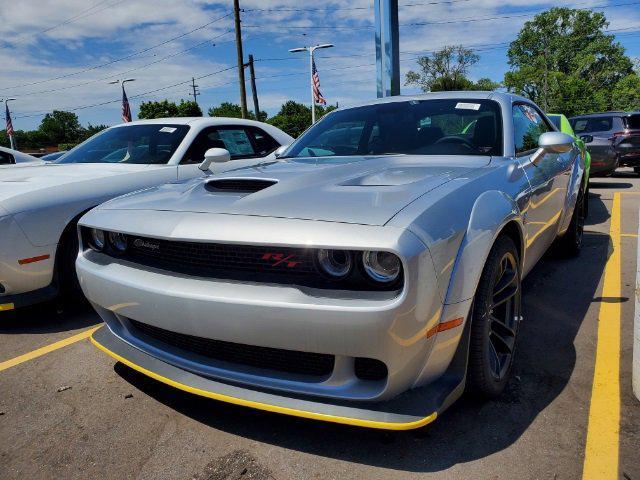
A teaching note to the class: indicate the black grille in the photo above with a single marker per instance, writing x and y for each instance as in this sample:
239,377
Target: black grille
370,369
245,263
238,185
288,361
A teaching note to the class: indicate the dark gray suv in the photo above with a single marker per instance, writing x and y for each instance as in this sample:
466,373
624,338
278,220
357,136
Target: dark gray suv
613,139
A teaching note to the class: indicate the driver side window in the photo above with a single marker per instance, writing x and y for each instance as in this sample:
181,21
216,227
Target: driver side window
528,125
234,139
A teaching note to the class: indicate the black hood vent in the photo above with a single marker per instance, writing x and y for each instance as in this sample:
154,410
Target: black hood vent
238,185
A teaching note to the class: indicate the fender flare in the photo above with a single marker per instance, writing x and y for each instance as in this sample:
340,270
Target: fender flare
491,213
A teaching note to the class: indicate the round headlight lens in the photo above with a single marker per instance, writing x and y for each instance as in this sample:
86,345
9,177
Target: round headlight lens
118,241
382,267
96,239
335,263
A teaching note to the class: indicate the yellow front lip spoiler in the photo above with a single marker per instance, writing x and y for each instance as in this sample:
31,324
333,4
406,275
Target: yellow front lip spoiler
271,408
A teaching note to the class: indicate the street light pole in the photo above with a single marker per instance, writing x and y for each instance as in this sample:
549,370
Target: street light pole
122,82
12,140
311,50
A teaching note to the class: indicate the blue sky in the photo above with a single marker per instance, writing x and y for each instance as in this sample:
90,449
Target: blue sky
61,55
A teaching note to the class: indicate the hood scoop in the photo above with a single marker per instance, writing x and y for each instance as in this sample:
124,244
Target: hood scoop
238,185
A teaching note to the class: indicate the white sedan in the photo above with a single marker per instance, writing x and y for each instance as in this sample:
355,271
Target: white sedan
40,205
10,157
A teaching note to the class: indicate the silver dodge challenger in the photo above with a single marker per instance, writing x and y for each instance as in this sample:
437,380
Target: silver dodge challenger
368,275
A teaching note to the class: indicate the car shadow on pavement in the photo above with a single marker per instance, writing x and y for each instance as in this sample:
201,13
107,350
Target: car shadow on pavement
557,295
49,317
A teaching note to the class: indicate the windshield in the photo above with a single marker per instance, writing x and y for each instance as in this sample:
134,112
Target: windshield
416,127
140,144
555,119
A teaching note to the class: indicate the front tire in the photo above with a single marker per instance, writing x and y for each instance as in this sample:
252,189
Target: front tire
571,242
495,318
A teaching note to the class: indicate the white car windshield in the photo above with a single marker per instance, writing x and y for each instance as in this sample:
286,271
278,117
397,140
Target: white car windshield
140,144
415,127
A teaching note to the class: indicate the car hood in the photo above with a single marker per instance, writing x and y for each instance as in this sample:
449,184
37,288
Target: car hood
54,180
360,190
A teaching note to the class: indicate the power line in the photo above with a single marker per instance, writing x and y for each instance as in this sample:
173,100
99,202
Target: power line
126,57
438,22
83,107
66,87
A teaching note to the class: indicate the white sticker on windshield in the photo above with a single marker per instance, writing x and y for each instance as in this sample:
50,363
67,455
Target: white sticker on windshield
468,106
168,129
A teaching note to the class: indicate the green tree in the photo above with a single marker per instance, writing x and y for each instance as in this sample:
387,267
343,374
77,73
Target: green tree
626,93
233,110
61,127
564,61
162,109
485,84
294,118
444,70
189,109
91,130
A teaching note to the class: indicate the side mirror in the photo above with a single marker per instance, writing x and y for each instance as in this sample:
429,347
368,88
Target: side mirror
278,153
214,155
587,138
552,142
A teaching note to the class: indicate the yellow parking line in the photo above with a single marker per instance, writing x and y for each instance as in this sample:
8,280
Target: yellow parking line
46,349
634,235
601,452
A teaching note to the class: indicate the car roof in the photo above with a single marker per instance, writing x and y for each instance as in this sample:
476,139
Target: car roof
193,121
464,94
603,114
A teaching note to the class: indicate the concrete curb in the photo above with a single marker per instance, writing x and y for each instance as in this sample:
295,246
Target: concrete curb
636,329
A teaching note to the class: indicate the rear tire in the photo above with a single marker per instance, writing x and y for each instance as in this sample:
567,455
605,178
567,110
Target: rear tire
570,244
495,319
68,284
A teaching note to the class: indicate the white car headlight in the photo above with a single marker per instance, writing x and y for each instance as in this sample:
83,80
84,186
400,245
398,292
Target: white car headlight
383,267
117,241
96,239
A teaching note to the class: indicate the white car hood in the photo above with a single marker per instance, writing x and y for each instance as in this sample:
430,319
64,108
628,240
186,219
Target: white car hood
21,187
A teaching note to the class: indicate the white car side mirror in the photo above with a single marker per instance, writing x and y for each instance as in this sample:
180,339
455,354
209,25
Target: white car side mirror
214,155
280,151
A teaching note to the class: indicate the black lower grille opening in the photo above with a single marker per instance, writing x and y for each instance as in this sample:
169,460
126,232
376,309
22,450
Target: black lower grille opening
288,361
370,369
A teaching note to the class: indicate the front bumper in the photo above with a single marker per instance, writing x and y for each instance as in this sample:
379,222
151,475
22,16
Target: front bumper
26,271
413,409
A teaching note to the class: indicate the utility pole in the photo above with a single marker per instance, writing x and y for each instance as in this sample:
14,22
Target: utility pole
243,91
252,75
195,90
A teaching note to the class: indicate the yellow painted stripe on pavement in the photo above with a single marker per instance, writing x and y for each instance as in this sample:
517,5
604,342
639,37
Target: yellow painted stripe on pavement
601,453
46,349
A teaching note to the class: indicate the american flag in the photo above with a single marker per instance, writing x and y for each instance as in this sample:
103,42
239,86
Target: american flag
126,109
7,117
317,95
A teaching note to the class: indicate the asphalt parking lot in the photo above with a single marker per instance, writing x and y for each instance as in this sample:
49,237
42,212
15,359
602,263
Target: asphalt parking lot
68,411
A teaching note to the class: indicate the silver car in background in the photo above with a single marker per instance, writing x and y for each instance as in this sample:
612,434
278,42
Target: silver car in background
40,205
366,277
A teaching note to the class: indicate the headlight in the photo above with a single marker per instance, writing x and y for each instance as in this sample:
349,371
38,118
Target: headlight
335,263
118,242
383,267
96,239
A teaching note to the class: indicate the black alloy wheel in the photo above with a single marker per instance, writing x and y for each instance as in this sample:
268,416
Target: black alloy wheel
496,316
